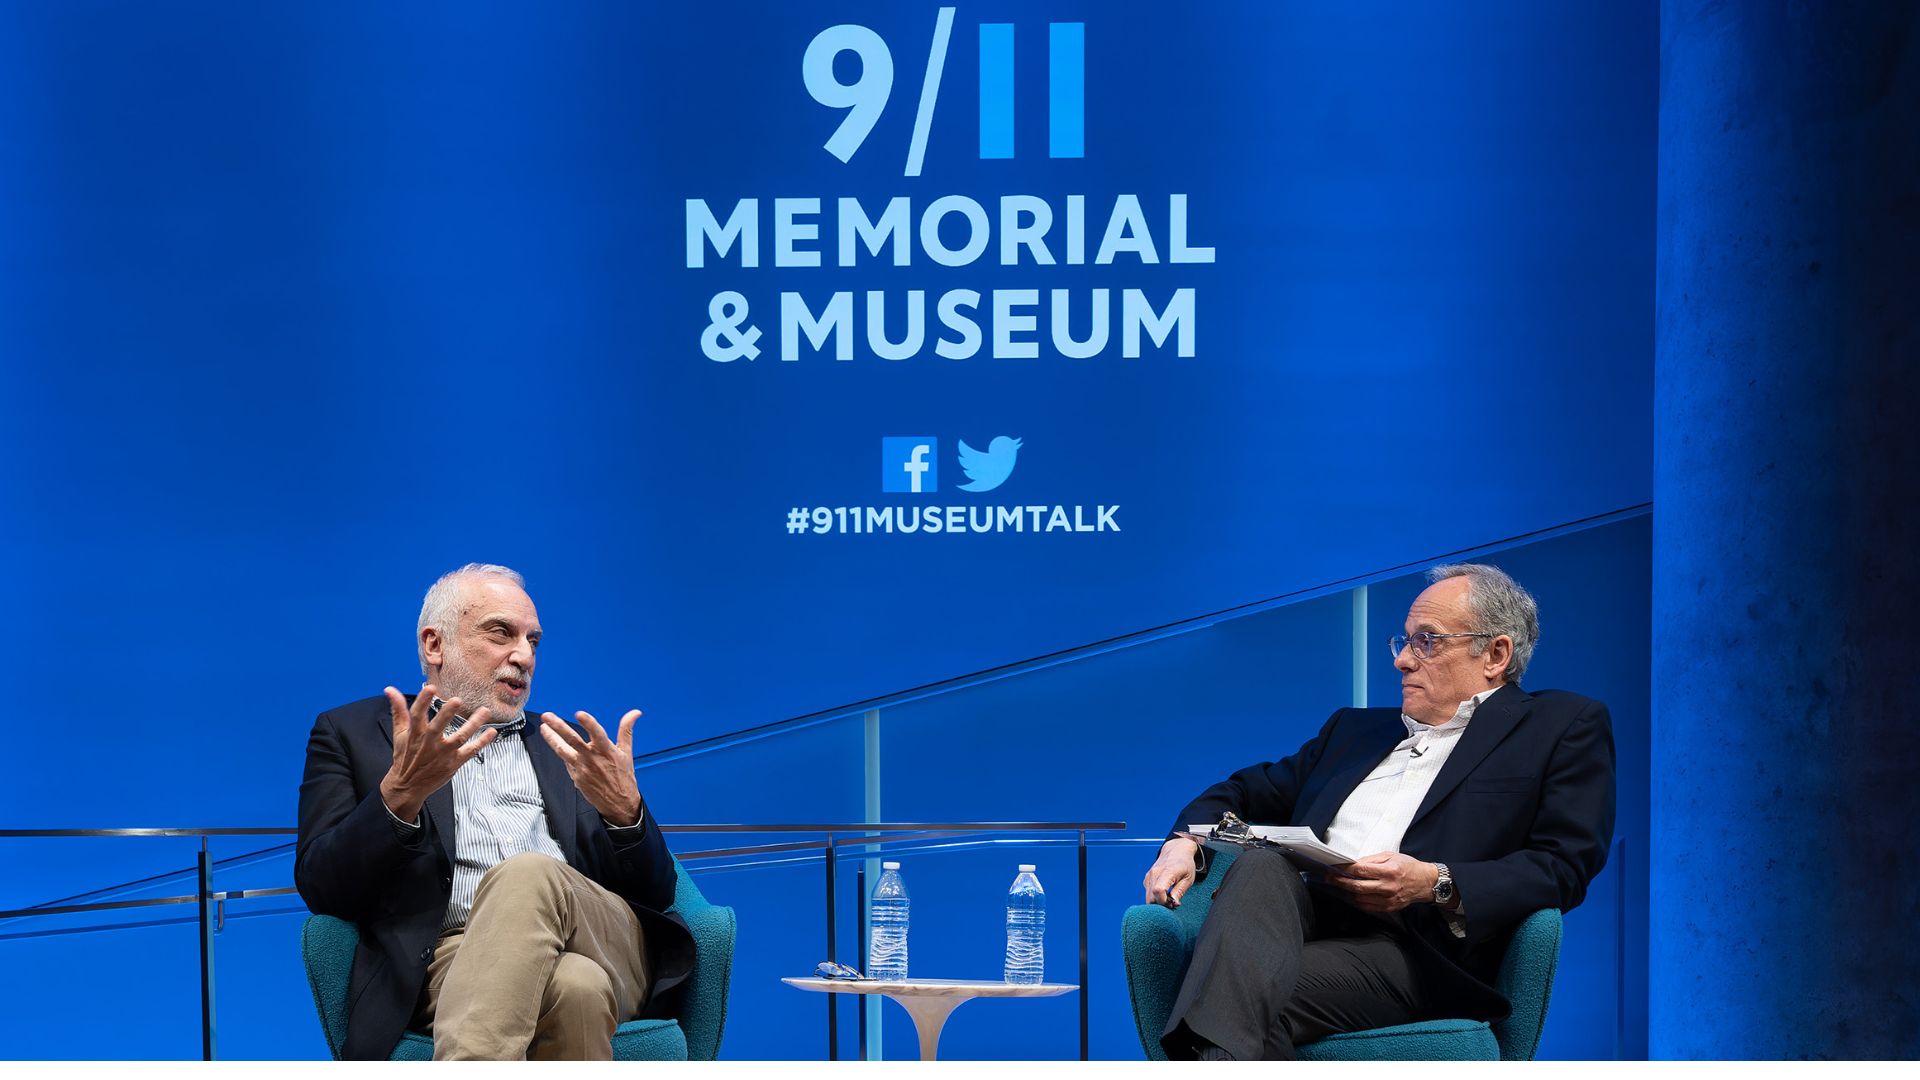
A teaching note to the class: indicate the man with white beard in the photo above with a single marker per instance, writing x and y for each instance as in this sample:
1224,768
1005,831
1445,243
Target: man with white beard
511,892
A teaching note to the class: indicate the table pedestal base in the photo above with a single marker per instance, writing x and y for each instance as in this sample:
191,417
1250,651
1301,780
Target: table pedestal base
929,1016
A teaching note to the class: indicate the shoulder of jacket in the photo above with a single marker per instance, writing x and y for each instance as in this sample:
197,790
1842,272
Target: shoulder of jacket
1567,706
1376,714
1354,719
355,711
1561,699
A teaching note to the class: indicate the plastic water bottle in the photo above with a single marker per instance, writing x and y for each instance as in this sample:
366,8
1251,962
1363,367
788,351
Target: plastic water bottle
887,927
1026,928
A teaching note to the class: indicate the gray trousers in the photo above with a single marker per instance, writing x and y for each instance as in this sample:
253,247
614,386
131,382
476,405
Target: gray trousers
1278,964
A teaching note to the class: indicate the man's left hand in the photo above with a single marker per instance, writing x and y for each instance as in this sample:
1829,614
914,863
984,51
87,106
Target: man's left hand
602,768
1385,882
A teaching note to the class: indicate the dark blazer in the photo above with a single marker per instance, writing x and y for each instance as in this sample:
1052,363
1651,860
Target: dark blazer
1522,814
350,863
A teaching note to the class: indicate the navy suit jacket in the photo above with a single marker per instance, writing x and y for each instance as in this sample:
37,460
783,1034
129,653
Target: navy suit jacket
351,864
1522,814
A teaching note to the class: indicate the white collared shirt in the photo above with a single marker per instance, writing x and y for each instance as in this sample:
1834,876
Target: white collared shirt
1375,817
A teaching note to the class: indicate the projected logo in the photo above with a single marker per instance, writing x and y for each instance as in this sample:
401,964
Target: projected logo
988,469
909,466
866,97
908,463
901,304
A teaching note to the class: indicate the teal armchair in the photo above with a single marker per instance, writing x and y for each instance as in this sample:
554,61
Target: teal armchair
327,944
1158,944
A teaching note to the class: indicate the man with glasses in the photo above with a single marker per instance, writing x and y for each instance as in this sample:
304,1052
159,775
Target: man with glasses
1471,806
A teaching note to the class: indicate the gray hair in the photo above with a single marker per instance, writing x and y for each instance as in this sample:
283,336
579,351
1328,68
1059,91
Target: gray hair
1499,606
442,605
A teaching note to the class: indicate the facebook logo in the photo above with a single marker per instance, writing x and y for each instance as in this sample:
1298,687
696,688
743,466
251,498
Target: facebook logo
909,463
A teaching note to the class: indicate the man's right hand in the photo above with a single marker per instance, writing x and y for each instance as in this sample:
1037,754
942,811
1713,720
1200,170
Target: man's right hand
423,758
1172,874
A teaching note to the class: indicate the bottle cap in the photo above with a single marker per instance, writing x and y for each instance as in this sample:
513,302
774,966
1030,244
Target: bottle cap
1026,868
889,866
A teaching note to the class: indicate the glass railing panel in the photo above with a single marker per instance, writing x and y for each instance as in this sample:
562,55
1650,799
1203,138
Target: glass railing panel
63,871
263,1008
1126,734
118,985
810,773
1129,735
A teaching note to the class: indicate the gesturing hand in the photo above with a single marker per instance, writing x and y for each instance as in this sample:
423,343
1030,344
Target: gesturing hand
1385,882
601,768
423,758
1172,874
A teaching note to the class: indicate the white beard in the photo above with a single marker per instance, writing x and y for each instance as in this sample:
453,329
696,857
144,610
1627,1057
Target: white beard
459,681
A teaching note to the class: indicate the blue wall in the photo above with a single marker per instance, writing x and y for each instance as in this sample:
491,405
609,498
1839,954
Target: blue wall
305,305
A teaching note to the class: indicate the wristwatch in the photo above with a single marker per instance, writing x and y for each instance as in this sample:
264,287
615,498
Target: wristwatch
1443,888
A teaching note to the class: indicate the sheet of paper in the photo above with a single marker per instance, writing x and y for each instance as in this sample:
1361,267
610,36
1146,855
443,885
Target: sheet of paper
1297,841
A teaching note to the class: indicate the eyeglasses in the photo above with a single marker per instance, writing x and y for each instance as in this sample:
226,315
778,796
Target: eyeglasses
827,969
1424,643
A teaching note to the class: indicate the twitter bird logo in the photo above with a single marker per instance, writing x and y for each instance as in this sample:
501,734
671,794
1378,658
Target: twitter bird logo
989,469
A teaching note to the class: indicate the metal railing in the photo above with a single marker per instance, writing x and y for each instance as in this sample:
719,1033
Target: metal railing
837,842
203,896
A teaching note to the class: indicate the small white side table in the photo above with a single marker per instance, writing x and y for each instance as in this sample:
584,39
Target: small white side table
930,1001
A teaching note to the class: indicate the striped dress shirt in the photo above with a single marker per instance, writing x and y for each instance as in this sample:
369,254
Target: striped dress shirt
497,813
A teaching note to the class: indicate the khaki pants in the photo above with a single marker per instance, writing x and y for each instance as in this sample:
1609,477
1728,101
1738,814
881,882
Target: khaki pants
547,966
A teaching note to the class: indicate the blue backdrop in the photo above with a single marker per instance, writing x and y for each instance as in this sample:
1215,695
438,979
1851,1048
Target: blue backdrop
305,305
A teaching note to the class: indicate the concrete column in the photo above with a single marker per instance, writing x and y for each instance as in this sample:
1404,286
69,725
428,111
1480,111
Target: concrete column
1785,883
